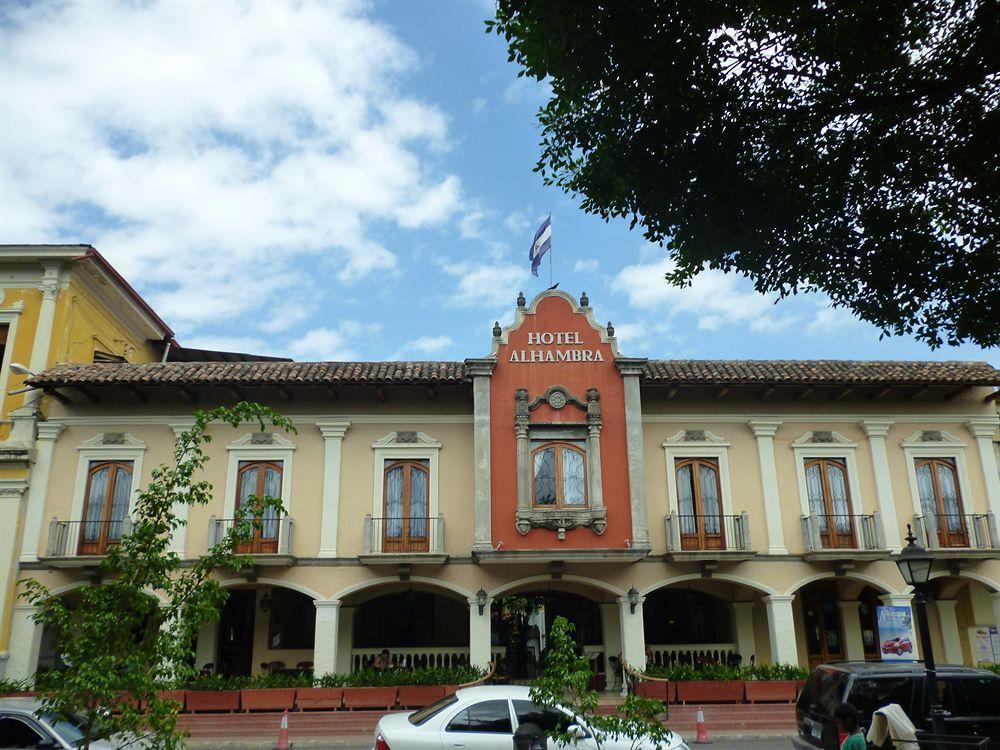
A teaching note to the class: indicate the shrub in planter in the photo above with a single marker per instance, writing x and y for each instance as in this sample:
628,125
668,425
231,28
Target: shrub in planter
710,691
267,699
370,697
212,700
328,698
778,691
418,696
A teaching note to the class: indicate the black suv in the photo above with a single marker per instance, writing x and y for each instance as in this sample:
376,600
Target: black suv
971,696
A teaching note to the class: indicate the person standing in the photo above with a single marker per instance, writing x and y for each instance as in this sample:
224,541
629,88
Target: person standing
852,737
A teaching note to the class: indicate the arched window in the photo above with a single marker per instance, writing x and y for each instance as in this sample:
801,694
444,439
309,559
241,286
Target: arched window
559,476
699,501
109,487
405,493
830,501
260,479
940,498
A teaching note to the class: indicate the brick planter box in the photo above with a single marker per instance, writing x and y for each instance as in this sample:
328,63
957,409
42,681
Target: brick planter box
370,697
212,700
177,696
777,691
710,691
28,694
268,699
418,696
329,699
659,690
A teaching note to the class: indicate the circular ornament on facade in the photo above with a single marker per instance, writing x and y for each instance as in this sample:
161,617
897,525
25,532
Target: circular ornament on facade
557,400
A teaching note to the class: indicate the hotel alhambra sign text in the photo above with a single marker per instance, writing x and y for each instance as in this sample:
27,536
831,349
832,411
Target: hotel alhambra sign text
559,338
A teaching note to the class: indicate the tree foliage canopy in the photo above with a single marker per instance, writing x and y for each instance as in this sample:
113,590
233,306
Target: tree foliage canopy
132,633
845,146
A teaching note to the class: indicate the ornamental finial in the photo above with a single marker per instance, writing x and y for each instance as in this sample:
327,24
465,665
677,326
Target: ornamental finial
520,299
611,330
584,300
496,329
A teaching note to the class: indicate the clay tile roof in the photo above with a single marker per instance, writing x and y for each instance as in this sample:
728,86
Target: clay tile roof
666,372
820,372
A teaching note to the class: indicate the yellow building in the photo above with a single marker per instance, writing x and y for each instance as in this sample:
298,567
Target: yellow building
674,509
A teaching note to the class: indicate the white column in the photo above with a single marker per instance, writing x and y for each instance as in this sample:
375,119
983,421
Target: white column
11,503
38,490
633,634
49,287
632,370
781,629
480,634
333,441
327,637
345,641
611,627
876,430
996,608
905,600
178,542
207,646
25,640
983,429
854,645
480,370
949,631
746,642
763,430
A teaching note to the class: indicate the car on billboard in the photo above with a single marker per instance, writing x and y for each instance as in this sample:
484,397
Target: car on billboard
899,645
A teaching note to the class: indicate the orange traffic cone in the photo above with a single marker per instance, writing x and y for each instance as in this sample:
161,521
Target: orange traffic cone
283,733
702,737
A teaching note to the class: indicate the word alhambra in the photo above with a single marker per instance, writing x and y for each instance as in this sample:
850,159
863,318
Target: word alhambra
555,355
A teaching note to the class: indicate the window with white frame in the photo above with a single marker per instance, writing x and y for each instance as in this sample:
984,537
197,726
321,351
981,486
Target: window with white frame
938,476
405,515
260,465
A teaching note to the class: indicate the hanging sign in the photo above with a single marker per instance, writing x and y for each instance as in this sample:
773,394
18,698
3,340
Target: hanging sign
895,629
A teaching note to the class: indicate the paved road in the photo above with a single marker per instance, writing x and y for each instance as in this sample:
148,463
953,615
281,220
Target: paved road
720,743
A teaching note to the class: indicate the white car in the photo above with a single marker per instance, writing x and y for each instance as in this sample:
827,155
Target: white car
485,718
24,723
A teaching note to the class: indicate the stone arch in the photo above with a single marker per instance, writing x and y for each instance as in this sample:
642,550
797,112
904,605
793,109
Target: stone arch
230,583
548,580
376,583
761,588
860,578
965,576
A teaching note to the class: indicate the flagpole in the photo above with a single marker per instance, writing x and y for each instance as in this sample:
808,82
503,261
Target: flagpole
550,249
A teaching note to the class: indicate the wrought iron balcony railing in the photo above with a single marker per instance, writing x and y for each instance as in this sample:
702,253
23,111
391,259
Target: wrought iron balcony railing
84,538
976,531
272,537
862,532
410,534
705,533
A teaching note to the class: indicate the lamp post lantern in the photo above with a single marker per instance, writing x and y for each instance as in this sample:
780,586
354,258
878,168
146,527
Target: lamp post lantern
915,565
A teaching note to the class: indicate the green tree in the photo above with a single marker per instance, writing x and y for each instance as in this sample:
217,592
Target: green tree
133,632
848,147
565,682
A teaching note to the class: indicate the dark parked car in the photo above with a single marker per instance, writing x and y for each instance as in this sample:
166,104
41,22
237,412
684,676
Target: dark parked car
971,696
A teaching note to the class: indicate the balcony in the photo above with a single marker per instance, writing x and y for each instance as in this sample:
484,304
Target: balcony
958,535
270,545
82,544
400,540
707,538
844,537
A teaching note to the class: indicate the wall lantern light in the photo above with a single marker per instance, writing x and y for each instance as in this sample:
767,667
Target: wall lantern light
265,601
633,599
481,599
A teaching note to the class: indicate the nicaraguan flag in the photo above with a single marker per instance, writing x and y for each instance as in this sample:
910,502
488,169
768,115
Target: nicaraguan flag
541,244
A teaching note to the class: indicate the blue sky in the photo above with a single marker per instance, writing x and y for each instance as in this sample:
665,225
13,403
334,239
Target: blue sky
339,181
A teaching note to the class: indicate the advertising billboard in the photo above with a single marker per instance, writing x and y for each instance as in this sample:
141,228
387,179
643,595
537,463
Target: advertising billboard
895,629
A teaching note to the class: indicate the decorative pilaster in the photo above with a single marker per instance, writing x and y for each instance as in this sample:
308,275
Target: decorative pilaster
764,430
480,633
25,641
327,637
481,370
521,420
49,287
333,439
983,429
876,430
781,629
854,645
48,433
596,484
633,633
178,542
631,370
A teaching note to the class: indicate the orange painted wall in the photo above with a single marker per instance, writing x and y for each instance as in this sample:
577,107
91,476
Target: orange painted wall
556,314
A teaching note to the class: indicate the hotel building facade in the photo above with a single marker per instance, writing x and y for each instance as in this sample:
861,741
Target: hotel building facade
673,509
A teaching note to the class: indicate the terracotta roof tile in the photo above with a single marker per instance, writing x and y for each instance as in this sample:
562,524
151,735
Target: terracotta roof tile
680,372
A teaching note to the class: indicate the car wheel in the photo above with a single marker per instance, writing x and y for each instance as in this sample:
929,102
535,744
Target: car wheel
899,651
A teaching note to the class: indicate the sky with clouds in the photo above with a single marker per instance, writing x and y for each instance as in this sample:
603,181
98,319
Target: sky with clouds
339,181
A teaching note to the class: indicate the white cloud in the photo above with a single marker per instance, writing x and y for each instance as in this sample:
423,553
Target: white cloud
430,344
715,299
485,285
517,222
333,344
478,105
245,344
527,89
586,265
206,151
829,319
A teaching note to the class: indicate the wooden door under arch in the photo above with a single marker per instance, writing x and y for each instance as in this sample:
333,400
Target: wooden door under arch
821,615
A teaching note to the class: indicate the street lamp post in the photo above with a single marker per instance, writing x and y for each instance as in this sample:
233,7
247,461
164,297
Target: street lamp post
915,565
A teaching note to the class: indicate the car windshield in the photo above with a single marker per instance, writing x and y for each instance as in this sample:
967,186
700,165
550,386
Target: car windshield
419,717
69,731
